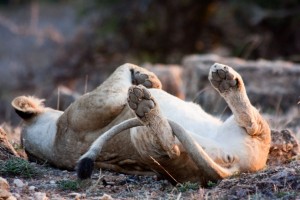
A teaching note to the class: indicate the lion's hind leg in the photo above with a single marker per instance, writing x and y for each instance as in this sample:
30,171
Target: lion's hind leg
156,136
143,77
253,151
156,140
106,102
231,87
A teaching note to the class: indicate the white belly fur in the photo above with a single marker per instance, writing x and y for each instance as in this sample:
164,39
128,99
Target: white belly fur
189,115
39,137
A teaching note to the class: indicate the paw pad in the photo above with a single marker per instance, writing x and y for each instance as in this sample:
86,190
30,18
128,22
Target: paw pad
222,78
140,100
141,79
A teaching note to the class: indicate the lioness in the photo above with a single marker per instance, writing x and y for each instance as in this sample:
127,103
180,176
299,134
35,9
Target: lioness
158,132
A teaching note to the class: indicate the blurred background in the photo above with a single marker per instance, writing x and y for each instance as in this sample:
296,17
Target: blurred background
77,43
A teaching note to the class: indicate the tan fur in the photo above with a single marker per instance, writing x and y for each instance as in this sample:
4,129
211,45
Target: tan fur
204,147
28,104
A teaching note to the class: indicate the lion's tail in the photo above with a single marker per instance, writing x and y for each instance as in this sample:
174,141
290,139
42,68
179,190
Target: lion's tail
86,162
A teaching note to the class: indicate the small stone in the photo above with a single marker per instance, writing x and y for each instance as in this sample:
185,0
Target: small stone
75,195
17,195
153,195
40,196
31,188
19,183
110,183
52,182
4,190
106,197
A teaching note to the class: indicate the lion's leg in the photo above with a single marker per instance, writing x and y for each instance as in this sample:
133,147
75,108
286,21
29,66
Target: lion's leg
155,138
108,100
231,87
156,143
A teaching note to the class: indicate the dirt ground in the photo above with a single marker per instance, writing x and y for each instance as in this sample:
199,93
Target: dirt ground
41,182
279,182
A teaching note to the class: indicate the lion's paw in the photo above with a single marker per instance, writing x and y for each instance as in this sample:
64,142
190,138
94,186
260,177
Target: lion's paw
223,78
145,78
140,101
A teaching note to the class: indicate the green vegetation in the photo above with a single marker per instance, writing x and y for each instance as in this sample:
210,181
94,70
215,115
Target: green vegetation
18,167
211,184
69,185
187,186
286,195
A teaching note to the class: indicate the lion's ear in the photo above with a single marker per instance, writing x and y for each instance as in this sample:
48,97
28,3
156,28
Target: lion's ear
27,106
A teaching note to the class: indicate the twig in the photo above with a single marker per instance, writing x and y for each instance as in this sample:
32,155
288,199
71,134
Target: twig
34,16
298,106
223,112
199,93
155,161
86,82
58,98
97,182
179,196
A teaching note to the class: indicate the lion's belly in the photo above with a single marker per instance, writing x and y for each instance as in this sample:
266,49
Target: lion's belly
189,115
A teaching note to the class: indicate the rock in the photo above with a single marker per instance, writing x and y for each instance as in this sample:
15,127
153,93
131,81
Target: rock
4,190
18,196
284,147
76,195
271,85
19,183
4,184
280,182
105,197
31,188
40,196
6,149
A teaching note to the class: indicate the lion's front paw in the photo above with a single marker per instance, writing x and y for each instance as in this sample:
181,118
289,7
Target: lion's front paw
145,78
140,100
223,78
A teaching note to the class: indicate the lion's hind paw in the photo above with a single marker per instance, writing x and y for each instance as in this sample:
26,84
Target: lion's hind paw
140,101
223,78
147,79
